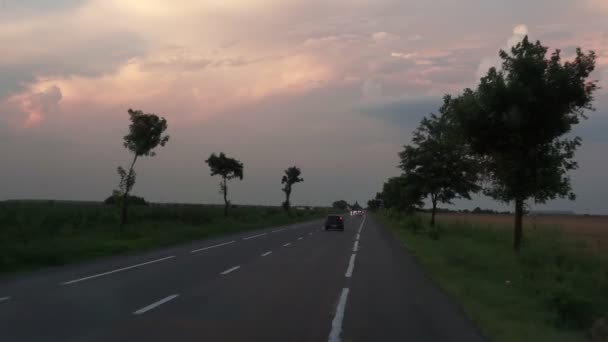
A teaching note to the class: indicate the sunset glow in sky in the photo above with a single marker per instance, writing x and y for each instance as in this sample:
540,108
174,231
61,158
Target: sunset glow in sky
335,87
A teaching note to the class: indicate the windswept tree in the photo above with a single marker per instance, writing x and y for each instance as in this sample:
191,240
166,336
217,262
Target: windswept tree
439,162
227,168
517,118
145,134
291,177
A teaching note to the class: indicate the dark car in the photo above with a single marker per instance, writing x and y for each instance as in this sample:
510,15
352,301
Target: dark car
334,222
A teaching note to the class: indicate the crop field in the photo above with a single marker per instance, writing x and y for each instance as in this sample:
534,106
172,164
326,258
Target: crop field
592,229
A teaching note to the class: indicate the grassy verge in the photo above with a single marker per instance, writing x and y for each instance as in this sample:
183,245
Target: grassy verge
38,234
553,291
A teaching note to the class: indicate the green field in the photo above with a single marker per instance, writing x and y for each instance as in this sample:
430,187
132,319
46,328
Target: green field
34,234
553,291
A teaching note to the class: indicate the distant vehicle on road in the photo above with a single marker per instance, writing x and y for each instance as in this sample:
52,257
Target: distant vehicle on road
334,222
356,213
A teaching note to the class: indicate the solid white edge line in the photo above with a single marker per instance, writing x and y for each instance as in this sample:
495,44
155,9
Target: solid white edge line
287,244
356,246
155,304
116,270
357,237
253,237
267,253
2,299
230,270
209,247
336,324
278,230
351,266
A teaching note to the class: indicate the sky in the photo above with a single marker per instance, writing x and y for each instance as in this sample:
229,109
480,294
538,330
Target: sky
334,87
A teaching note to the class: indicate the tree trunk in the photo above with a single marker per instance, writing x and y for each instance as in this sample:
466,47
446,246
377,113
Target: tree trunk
287,204
225,197
434,200
125,196
518,231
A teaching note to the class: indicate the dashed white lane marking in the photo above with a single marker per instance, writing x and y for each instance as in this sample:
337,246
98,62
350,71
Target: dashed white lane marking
300,238
267,253
336,324
2,299
356,246
278,230
209,247
253,237
116,270
287,244
351,266
357,237
361,226
310,233
155,304
230,270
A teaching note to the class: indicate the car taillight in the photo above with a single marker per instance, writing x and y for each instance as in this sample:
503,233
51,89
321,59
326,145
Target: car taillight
340,217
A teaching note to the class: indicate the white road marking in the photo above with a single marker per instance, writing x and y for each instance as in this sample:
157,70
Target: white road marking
356,246
116,271
287,244
278,230
267,253
361,226
336,324
218,245
253,237
153,305
310,233
230,270
2,299
300,238
351,266
357,237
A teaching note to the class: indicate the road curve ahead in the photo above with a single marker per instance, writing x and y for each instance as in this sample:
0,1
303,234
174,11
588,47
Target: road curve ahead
291,283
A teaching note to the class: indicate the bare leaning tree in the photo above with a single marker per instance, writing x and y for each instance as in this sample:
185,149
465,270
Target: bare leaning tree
145,134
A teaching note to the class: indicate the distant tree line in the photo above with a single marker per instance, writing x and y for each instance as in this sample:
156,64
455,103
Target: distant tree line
509,138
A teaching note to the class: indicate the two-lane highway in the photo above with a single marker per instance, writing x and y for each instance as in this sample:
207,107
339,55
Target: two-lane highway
293,283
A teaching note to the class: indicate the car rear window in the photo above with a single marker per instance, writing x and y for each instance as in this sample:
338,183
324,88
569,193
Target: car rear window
333,218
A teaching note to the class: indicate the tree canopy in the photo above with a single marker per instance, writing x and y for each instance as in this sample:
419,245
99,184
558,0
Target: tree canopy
146,132
439,162
227,168
517,119
291,177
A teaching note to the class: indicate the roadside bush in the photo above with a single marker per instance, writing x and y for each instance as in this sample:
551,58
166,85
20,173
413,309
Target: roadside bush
572,311
435,231
414,223
599,330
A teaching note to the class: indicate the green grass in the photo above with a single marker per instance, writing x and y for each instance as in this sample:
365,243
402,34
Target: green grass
552,291
35,234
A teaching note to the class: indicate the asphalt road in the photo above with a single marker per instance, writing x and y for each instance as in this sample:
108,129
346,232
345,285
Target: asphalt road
292,283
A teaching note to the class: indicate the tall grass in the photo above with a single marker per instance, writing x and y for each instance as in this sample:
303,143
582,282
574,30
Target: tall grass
34,234
554,290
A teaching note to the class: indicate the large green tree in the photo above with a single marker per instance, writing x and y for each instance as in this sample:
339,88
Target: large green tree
401,193
340,205
439,162
227,168
291,177
145,134
519,119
